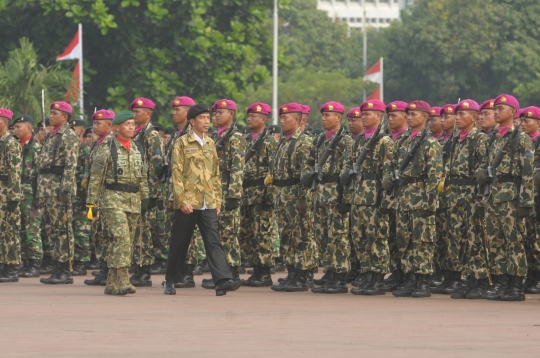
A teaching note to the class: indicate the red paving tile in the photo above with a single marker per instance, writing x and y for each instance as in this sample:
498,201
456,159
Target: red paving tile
80,321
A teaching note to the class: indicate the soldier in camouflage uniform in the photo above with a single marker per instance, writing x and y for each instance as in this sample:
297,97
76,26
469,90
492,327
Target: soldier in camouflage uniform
293,161
257,208
118,191
486,117
417,201
56,187
149,138
369,224
10,197
509,201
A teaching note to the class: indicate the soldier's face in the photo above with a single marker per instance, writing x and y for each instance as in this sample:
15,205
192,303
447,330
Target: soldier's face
256,121
504,114
465,119
166,138
355,125
486,119
330,120
180,114
4,124
397,120
201,123
417,119
371,119
448,121
304,121
126,130
530,125
57,118
102,126
142,115
224,117
289,122
23,130
435,125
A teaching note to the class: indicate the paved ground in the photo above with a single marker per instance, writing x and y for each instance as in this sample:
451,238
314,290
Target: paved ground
80,321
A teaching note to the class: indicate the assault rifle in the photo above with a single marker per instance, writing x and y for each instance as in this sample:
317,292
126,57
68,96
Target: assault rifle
255,146
370,145
316,173
167,169
221,141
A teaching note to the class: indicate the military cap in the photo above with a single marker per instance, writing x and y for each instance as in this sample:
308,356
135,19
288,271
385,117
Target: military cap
11,127
169,130
305,109
354,113
467,105
507,100
47,123
62,106
331,106
531,112
275,128
259,107
418,106
449,109
225,104
88,131
182,101
159,126
78,122
489,104
396,106
372,105
24,118
435,111
142,102
103,114
290,108
197,109
6,113
123,116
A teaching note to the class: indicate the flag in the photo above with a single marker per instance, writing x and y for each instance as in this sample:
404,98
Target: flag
375,94
73,94
73,51
374,74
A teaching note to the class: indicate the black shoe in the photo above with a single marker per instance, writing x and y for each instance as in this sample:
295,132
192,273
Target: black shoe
500,285
280,266
454,284
422,288
338,284
309,278
33,269
225,286
447,277
141,277
254,275
93,264
478,292
353,273
534,286
436,279
241,269
235,274
47,265
186,280
205,266
291,271
21,268
328,275
362,277
299,283
264,278
376,286
327,282
282,282
464,290
169,288
198,269
159,267
61,276
208,284
79,269
398,276
407,287
10,273
515,290
101,275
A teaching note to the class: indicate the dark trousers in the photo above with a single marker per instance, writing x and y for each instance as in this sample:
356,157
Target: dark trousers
181,235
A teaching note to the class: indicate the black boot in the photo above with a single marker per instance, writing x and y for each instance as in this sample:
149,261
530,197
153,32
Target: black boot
327,282
22,268
159,267
422,288
55,272
198,269
436,279
186,279
208,284
309,280
47,265
33,269
93,264
446,278
398,276
534,287
375,287
299,283
225,286
353,273
501,283
264,278
320,281
282,282
515,290
408,286
101,274
289,268
235,273
62,275
205,266
479,290
362,277
241,269
253,277
10,273
79,269
464,290
280,266
454,284
169,288
141,277
338,284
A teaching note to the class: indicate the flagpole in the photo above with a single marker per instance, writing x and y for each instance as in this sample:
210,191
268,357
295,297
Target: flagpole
275,66
365,40
382,80
81,80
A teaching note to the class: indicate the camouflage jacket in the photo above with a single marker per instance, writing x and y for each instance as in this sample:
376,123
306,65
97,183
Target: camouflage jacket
446,148
168,188
517,163
231,165
387,202
58,150
195,173
30,152
299,163
461,165
81,172
128,171
376,166
257,169
152,144
10,169
92,154
426,166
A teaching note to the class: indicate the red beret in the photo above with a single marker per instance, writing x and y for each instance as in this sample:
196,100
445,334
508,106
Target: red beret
518,113
468,105
448,109
396,106
61,106
305,109
4,112
489,104
142,102
225,104
290,108
372,105
507,100
531,112
435,112
331,106
182,101
103,114
354,113
259,107
418,106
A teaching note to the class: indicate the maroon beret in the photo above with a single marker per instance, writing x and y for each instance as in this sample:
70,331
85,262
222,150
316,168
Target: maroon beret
448,109
372,105
396,106
4,112
418,106
435,112
290,108
103,114
61,106
225,104
518,113
142,102
489,104
354,113
468,105
331,106
259,107
531,112
507,100
305,109
182,101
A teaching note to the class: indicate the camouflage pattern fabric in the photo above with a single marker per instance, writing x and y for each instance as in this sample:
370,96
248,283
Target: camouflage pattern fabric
532,242
82,228
31,246
122,226
159,235
56,222
276,242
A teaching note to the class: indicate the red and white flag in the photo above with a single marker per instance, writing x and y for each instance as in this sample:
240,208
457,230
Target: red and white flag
375,74
74,52
375,94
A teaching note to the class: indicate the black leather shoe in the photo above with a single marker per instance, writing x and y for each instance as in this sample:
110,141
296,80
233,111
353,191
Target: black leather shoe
33,269
338,284
225,286
422,288
407,287
376,286
169,289
501,283
78,269
478,292
264,278
101,275
10,273
47,265
141,277
514,291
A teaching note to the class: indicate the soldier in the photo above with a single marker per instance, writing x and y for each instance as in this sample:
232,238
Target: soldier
89,136
31,247
257,206
42,131
56,185
101,236
486,117
293,161
416,192
10,197
305,118
118,191
167,134
435,124
509,202
531,126
354,119
150,140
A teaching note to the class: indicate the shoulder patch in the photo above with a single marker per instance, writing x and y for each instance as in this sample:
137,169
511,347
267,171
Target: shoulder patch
438,159
528,154
157,151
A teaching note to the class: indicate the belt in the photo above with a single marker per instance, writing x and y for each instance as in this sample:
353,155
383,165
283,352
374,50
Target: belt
252,183
372,176
26,180
411,180
506,178
327,178
55,169
127,188
4,177
286,182
462,181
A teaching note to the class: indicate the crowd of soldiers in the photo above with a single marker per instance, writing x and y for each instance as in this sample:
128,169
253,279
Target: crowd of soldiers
443,198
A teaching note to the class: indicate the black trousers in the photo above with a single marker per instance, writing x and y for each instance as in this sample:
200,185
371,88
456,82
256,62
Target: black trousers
181,235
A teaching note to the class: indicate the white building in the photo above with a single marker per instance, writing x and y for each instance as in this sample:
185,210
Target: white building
379,13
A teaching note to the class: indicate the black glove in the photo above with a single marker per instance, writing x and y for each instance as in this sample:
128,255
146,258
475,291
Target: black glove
481,177
387,184
231,204
302,205
152,203
426,213
65,198
306,180
523,212
536,178
144,206
12,206
344,208
345,179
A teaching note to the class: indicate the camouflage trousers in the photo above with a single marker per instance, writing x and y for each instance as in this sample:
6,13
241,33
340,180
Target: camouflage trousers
160,236
229,229
31,246
81,231
466,251
256,235
414,239
442,238
369,236
56,222
298,246
192,254
201,251
143,254
101,238
532,241
10,242
505,239
331,230
122,228
276,242
395,254
45,243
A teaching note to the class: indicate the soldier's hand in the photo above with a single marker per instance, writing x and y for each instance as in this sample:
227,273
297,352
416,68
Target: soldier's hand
387,184
306,180
231,204
426,213
536,178
482,178
302,205
11,206
523,212
345,179
65,198
344,208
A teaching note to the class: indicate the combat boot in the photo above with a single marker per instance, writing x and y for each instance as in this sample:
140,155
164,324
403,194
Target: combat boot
499,287
376,286
353,273
112,282
289,276
422,287
235,274
447,277
22,267
241,269
254,276
205,266
408,286
79,269
454,284
280,266
186,279
397,280
55,272
124,286
464,290
327,282
10,273
33,269
101,274
309,280
198,269
299,283
479,290
367,281
363,277
436,279
93,264
264,278
282,282
327,275
159,267
515,290
141,277
47,265
534,287
64,276
338,284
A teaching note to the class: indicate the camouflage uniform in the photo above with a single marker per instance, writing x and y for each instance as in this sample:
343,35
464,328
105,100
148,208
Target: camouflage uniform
257,206
514,189
231,165
10,190
532,242
442,215
81,225
57,166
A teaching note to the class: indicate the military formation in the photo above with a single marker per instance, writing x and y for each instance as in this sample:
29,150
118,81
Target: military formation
444,199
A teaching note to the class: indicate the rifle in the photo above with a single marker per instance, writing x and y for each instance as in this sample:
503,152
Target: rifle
398,180
317,174
167,170
355,171
43,113
452,144
254,147
221,141
93,129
